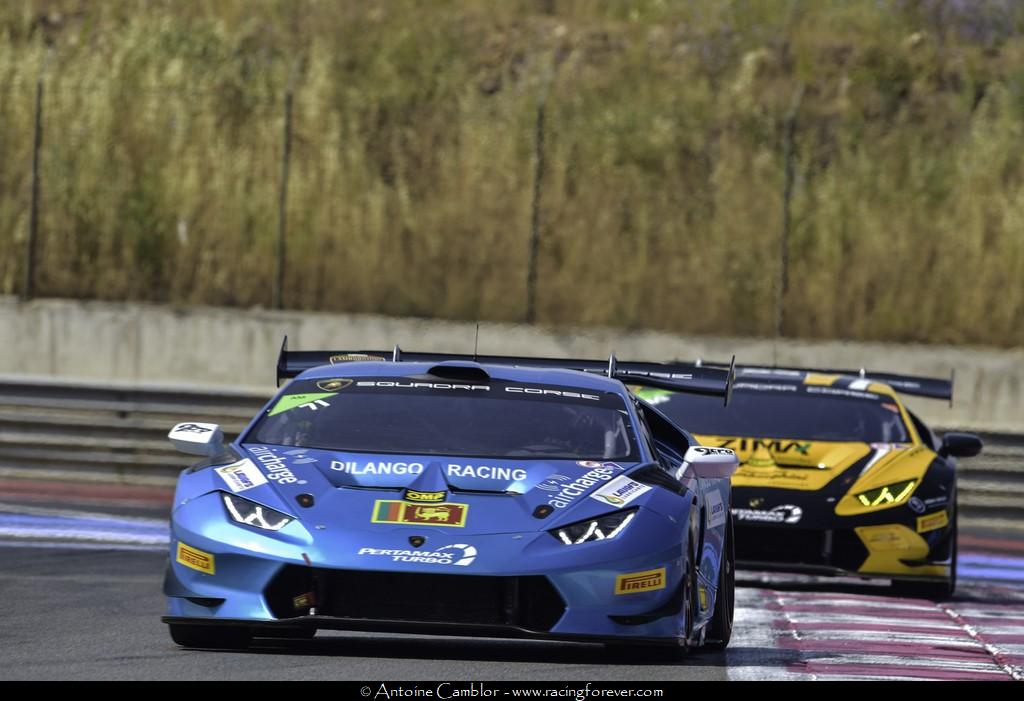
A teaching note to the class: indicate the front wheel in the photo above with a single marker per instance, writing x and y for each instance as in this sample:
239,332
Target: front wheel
936,591
210,636
720,628
689,584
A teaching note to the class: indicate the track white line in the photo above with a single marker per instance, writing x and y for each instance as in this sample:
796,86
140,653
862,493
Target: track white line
82,545
998,656
26,509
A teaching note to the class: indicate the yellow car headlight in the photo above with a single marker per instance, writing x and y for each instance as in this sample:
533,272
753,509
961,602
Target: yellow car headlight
889,494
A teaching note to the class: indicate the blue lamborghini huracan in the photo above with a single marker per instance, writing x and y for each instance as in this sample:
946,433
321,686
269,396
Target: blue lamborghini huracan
449,494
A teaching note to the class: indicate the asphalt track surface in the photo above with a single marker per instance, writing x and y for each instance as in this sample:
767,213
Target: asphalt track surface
80,578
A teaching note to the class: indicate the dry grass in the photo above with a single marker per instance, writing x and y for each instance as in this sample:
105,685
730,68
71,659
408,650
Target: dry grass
413,159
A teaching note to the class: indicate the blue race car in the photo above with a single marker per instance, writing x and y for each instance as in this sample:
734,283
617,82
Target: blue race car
463,495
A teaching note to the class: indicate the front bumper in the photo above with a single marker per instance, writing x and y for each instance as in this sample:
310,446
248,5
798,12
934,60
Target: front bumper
890,550
525,585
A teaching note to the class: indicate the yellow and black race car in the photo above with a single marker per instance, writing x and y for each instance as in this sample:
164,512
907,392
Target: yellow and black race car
837,476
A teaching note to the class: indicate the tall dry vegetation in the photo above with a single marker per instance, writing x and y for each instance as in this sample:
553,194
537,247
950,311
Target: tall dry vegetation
412,166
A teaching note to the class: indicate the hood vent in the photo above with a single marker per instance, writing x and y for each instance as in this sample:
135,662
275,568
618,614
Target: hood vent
461,372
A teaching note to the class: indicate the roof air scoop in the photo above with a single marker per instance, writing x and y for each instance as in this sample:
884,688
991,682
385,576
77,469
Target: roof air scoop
467,372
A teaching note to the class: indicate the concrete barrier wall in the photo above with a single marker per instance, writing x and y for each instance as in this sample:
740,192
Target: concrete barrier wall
161,344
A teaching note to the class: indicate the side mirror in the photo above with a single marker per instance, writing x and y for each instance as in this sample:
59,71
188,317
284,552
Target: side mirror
960,445
193,438
709,463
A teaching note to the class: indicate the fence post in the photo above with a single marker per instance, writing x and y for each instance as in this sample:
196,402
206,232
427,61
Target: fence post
278,301
28,286
538,179
782,284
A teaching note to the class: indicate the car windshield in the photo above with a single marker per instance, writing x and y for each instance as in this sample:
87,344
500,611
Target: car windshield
430,416
809,413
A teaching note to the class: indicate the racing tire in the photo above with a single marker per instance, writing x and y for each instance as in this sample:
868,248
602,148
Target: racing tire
720,627
935,591
689,600
210,637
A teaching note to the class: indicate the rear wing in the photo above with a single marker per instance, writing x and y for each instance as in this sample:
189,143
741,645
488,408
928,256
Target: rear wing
679,377
914,385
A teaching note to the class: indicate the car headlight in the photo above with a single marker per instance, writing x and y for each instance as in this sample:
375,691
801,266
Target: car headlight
252,514
601,528
889,494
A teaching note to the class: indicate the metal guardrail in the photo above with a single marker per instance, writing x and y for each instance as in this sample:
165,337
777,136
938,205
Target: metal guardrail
992,484
118,432
108,432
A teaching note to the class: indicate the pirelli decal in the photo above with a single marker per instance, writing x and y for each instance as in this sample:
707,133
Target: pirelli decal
637,582
389,511
932,522
195,559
